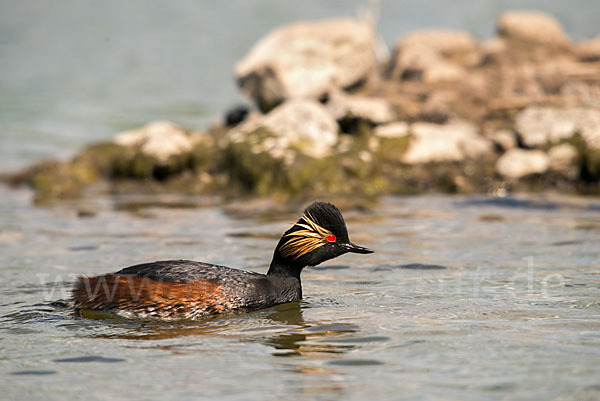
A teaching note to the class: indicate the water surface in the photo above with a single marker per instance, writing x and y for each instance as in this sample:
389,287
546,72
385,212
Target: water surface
465,298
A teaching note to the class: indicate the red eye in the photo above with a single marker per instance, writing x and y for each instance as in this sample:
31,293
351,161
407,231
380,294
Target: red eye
331,238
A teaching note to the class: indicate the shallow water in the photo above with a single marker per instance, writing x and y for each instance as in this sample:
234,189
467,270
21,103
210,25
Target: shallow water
465,298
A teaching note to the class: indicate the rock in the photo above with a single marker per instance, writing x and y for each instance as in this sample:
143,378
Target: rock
541,125
373,109
53,180
290,152
587,94
588,50
301,124
504,138
445,143
458,46
532,28
422,64
563,158
307,59
438,108
443,72
236,115
434,56
159,139
517,163
396,129
493,49
159,151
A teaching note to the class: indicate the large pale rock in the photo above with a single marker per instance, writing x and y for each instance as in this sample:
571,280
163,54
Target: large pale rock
563,158
435,55
457,45
532,27
445,143
540,125
423,64
159,139
302,124
307,59
587,94
517,163
396,129
374,109
504,138
493,48
589,50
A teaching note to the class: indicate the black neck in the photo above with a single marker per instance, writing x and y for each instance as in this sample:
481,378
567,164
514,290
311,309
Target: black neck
282,267
286,276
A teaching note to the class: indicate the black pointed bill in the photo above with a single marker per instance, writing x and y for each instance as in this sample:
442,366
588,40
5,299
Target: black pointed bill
350,247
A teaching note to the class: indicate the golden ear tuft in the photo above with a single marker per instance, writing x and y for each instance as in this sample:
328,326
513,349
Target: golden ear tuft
309,238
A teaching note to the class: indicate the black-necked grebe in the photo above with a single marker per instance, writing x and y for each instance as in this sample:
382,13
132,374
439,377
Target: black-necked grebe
183,289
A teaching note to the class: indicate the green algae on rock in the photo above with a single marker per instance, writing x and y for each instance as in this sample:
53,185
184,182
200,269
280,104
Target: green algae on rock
257,170
113,162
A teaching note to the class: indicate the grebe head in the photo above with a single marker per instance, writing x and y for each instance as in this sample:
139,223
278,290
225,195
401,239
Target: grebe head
319,235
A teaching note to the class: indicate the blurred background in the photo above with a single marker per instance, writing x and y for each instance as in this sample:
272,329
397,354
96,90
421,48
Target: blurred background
77,71
479,295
